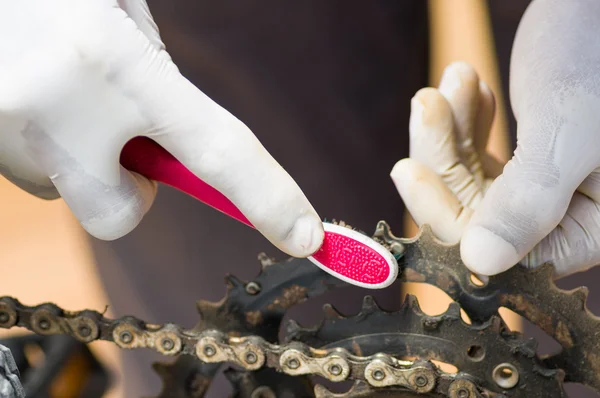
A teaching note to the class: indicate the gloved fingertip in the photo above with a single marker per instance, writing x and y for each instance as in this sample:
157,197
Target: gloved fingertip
305,237
456,74
485,253
108,229
431,108
411,178
401,170
114,211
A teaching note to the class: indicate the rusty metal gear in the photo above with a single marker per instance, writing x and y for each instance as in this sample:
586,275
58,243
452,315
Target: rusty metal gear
248,308
563,315
243,329
421,258
476,350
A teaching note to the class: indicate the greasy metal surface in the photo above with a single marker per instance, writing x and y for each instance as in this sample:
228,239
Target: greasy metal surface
248,311
474,350
243,328
532,294
362,390
250,352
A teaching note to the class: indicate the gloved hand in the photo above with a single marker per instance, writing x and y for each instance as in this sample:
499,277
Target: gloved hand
448,171
545,205
78,79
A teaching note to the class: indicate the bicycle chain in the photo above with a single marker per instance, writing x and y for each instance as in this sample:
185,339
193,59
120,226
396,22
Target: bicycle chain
477,350
250,353
228,331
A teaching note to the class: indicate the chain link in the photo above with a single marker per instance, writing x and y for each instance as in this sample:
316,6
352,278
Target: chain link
213,346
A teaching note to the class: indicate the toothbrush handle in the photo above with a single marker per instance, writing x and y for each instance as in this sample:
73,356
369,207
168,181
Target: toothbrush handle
144,156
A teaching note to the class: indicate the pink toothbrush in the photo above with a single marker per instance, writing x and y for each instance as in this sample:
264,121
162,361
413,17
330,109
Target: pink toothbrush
346,254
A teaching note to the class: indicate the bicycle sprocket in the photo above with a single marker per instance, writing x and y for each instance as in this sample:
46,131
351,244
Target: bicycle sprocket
386,353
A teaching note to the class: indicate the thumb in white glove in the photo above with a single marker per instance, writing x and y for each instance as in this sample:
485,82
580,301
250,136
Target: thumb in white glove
80,79
545,205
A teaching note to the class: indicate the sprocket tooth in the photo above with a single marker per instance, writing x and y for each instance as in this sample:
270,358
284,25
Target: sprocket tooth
384,232
184,378
544,273
426,234
581,293
265,260
322,392
205,307
331,313
266,382
453,311
369,306
411,301
359,389
233,375
530,346
161,368
233,282
292,327
496,324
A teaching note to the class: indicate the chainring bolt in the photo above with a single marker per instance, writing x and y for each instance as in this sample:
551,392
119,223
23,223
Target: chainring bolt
126,337
505,375
378,374
209,350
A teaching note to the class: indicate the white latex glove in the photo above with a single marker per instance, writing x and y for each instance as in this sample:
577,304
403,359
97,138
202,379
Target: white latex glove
78,79
444,179
545,205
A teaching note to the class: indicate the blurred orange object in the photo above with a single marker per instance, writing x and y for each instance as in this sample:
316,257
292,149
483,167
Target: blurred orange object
45,256
462,31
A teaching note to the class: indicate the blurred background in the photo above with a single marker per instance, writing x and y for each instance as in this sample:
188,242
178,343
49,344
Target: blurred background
326,86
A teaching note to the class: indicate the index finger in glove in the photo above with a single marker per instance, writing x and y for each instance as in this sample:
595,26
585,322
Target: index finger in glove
472,104
429,200
222,151
433,143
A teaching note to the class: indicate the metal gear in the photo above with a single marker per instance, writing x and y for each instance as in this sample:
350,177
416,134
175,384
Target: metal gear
530,293
442,262
243,329
477,350
253,308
